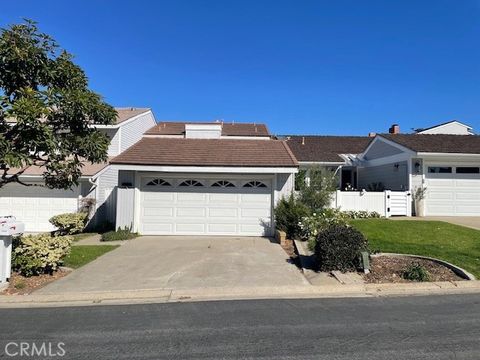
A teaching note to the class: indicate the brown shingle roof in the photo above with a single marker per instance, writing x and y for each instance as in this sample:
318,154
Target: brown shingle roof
123,114
437,143
228,129
326,148
127,113
88,169
207,152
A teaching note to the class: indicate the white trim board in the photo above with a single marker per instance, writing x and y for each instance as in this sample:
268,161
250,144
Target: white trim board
208,169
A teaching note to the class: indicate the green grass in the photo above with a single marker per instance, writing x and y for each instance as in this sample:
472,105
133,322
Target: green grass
81,236
456,244
83,254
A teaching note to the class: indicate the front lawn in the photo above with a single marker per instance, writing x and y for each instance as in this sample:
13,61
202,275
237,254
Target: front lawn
456,244
83,254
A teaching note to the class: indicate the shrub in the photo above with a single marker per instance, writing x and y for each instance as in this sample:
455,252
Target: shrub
70,223
317,193
120,234
362,214
39,254
339,247
416,272
312,225
288,214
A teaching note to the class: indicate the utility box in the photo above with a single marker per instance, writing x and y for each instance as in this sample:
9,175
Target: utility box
9,227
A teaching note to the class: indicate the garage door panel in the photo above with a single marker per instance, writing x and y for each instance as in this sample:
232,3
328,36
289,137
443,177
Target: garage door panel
189,228
190,197
192,212
35,205
222,228
222,212
158,211
223,198
157,228
154,196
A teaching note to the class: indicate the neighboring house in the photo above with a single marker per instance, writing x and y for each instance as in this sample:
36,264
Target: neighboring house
447,165
453,127
203,179
34,205
336,153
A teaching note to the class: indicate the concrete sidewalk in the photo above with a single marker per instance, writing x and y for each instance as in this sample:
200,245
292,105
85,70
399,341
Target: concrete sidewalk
239,293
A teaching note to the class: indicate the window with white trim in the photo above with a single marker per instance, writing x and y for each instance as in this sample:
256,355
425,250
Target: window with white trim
223,184
190,183
255,184
158,182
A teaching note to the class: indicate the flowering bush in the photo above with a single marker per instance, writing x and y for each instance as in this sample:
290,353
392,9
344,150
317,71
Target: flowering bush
362,214
312,225
39,254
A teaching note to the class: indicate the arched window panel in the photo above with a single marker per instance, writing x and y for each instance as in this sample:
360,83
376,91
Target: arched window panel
223,184
255,184
190,182
158,182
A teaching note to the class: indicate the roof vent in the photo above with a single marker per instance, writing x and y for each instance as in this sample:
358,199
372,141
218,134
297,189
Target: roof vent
372,134
303,140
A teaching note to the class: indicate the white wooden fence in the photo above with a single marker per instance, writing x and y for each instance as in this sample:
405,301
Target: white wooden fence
387,203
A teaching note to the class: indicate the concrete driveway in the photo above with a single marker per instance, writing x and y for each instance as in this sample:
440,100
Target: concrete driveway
182,262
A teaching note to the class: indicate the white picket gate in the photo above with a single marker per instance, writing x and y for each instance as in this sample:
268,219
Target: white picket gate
387,203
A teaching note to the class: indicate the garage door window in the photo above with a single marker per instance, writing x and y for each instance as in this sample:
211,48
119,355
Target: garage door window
158,182
255,184
440,169
189,183
223,184
468,170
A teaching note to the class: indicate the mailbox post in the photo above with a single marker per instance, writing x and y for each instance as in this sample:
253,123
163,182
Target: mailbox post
9,227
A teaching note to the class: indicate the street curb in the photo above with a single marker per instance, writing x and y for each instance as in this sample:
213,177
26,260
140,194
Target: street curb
456,269
149,296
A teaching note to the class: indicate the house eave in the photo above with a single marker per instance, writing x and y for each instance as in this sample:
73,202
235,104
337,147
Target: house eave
207,169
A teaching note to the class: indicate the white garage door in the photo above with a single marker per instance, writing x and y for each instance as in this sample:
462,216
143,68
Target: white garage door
197,206
452,190
35,205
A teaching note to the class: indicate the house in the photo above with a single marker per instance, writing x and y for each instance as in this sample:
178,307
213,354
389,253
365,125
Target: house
335,153
35,205
448,166
203,179
453,127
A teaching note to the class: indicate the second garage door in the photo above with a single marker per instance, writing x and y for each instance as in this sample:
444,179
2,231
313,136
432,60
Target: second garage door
196,206
452,190
35,205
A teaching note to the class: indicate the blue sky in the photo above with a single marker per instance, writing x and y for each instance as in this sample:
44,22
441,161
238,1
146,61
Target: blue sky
302,67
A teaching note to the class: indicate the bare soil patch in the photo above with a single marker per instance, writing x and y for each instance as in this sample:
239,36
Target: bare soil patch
389,269
21,285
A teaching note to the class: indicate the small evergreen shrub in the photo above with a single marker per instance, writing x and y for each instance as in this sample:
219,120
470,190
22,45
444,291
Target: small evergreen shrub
339,247
312,225
70,223
416,272
39,254
288,215
120,234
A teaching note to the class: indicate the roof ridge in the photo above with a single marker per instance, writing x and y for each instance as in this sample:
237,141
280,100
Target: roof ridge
289,151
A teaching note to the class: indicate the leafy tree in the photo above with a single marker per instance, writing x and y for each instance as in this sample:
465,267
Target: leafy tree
317,193
46,110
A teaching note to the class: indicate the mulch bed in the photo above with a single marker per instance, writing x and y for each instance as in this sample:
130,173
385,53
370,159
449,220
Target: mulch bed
389,269
21,285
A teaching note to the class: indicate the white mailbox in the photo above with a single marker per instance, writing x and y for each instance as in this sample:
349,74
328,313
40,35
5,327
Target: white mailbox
9,227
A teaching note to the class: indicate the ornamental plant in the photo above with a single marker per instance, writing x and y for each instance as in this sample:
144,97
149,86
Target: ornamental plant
70,223
39,254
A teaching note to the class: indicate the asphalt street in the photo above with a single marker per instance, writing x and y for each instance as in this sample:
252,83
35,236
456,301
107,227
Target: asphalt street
431,327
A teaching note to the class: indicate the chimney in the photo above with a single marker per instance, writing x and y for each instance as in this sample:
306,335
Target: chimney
372,134
394,129
303,140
